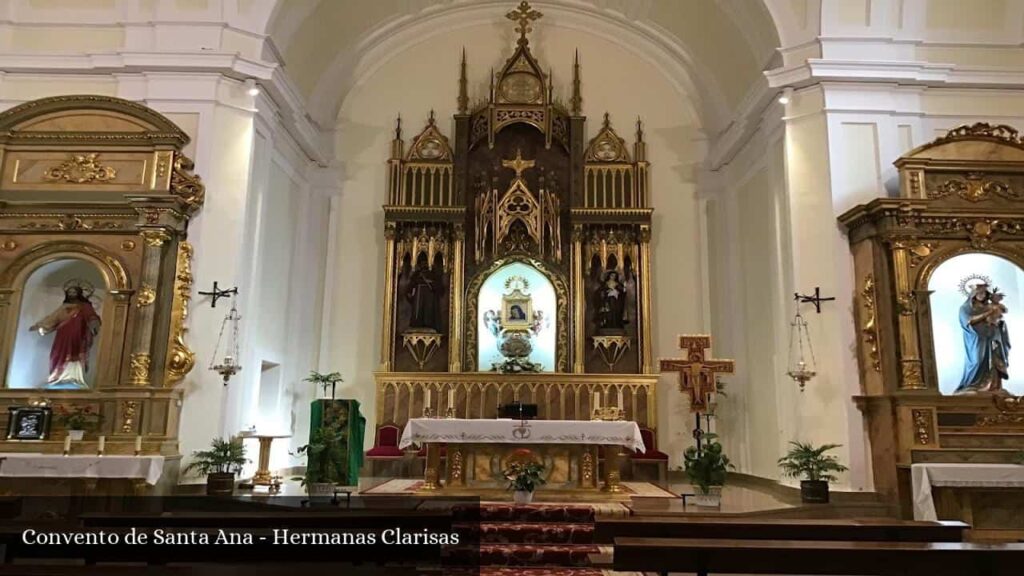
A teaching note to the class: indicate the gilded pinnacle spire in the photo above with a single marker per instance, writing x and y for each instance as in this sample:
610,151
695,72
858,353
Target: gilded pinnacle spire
607,120
522,16
577,99
463,101
398,128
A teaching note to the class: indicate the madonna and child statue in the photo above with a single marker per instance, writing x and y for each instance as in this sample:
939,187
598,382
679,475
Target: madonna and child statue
75,325
986,341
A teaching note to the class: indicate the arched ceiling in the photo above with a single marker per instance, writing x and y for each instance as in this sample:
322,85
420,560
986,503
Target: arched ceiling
721,46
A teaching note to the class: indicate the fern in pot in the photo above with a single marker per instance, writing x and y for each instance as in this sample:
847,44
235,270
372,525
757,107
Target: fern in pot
814,467
707,470
324,459
220,464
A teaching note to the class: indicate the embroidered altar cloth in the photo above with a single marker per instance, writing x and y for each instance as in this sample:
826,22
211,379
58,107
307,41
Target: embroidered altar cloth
27,465
506,431
924,476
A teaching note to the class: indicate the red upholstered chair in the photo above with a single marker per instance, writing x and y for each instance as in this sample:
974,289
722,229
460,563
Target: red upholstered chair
651,456
385,447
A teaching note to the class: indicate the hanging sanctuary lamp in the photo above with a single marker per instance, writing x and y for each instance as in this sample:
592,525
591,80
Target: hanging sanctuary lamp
229,365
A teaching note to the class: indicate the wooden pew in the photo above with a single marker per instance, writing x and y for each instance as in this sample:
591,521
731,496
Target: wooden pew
853,530
725,556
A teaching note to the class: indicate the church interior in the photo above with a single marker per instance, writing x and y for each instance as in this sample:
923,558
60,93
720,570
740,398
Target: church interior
550,287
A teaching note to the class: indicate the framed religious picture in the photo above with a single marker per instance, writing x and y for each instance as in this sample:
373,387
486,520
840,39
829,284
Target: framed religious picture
516,312
28,422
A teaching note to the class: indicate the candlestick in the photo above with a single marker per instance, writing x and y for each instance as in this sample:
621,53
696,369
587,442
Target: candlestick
67,445
138,445
102,444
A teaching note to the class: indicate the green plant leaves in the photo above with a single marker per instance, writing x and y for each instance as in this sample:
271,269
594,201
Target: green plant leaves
811,463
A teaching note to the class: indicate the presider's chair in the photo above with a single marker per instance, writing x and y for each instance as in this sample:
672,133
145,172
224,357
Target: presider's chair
385,451
651,456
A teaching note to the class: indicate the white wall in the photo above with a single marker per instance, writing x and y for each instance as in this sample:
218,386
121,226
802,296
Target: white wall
614,79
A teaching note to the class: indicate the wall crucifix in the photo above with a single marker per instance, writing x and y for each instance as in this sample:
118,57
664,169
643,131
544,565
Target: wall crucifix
697,374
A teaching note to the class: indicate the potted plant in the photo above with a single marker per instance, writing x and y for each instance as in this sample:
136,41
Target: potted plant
220,463
324,461
78,419
523,477
706,468
815,467
324,380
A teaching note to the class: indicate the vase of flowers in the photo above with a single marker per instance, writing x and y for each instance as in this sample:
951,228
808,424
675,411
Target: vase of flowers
523,477
220,464
78,419
707,469
815,468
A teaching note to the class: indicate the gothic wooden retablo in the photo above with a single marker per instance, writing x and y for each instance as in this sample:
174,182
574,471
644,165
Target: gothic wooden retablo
518,254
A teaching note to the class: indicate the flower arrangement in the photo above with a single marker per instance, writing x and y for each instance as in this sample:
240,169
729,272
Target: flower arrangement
78,417
708,467
523,473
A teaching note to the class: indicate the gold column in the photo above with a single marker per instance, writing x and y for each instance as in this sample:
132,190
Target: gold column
906,303
431,471
387,338
612,463
579,334
646,362
455,324
141,356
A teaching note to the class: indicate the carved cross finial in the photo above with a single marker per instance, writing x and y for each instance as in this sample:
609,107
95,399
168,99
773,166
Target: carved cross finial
518,164
607,121
522,16
697,374
431,116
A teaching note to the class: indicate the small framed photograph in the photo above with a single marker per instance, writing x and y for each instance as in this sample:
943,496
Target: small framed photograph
28,422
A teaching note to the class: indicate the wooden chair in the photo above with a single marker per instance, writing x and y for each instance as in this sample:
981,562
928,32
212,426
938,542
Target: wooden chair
385,450
650,456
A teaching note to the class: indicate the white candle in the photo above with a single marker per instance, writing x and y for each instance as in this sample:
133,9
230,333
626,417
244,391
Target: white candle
102,444
426,399
67,444
621,405
451,398
597,400
138,444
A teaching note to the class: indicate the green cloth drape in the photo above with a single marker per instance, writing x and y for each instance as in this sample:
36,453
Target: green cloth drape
344,414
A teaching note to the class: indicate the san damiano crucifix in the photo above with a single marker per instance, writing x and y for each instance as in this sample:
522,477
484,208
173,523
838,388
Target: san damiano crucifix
697,374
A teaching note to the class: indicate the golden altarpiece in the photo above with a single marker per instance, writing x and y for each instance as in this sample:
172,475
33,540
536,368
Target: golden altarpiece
958,223
95,192
518,258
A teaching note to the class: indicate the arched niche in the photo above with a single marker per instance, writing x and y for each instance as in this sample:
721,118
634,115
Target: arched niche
948,284
550,296
41,294
542,312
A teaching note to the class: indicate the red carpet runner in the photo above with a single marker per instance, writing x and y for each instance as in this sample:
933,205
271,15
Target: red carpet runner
535,540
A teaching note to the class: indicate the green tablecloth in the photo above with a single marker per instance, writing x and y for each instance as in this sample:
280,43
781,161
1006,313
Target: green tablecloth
344,414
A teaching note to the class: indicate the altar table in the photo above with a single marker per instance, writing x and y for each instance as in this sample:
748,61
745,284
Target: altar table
925,476
578,437
91,468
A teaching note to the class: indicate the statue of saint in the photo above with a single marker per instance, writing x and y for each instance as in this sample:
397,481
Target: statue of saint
423,295
610,299
986,342
76,325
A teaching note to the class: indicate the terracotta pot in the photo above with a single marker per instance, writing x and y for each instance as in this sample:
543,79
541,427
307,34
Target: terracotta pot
76,435
814,491
220,484
522,497
712,498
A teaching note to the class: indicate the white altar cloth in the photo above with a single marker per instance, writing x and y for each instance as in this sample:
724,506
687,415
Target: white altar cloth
22,465
924,476
506,431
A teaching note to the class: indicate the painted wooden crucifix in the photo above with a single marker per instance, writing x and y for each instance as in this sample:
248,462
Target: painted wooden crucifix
697,374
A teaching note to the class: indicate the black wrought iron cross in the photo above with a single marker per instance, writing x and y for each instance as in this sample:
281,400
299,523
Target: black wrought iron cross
218,293
816,299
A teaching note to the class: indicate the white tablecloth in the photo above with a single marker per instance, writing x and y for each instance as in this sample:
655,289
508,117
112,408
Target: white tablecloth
81,466
504,431
924,476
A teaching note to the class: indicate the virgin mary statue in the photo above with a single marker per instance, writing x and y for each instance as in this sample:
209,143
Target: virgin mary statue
986,342
76,324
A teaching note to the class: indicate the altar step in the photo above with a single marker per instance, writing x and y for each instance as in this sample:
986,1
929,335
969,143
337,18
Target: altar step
526,513
527,532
